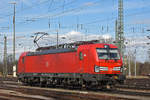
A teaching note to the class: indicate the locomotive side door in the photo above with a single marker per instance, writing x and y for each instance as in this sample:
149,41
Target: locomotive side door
83,56
80,61
23,64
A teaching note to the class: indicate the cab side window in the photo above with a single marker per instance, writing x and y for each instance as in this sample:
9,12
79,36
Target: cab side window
81,56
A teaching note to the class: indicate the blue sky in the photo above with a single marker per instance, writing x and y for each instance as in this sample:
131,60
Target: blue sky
32,15
93,17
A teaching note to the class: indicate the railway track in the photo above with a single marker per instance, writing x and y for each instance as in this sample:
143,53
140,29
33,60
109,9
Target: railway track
136,83
14,95
66,94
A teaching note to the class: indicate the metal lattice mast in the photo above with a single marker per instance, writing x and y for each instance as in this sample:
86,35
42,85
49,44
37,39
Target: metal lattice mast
5,57
116,32
120,27
14,34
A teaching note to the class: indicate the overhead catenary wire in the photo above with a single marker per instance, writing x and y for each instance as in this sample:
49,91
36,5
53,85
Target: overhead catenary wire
58,14
32,6
96,21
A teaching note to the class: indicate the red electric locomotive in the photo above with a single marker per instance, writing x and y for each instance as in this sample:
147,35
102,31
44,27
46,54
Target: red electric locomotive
87,65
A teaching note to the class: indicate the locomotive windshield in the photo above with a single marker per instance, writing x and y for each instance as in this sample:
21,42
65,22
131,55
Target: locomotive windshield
111,53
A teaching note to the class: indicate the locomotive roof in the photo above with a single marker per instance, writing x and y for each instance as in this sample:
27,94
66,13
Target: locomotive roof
68,45
51,51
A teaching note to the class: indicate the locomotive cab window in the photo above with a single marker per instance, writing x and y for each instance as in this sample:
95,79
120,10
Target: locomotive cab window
80,55
111,53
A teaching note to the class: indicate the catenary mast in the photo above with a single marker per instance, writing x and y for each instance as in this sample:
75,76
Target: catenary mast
120,28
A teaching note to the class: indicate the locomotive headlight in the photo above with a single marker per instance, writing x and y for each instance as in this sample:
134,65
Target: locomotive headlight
117,68
96,68
100,68
103,68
